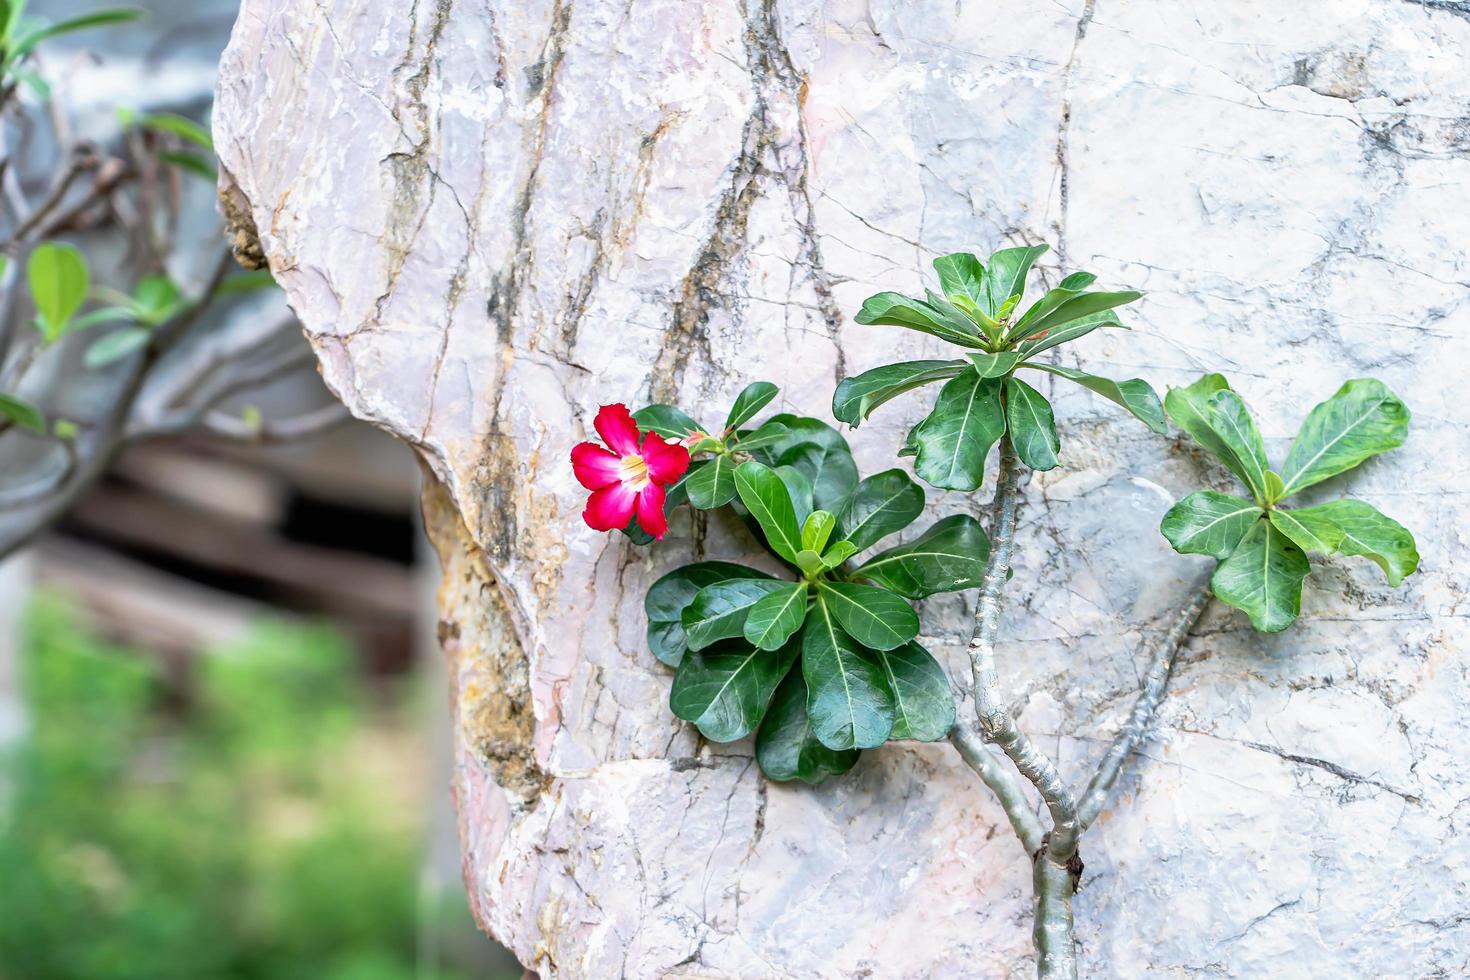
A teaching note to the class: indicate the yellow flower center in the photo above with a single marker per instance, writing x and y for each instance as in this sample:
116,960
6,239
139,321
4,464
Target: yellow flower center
633,472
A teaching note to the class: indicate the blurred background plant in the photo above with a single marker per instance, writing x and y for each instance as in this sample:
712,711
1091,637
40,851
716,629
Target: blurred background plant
262,825
232,711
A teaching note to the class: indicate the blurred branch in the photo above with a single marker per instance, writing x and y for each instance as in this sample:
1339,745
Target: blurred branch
226,426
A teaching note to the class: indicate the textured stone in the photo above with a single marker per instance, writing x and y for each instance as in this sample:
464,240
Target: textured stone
493,217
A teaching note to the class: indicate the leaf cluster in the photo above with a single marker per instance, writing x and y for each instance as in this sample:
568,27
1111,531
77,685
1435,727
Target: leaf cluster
1260,545
979,309
822,662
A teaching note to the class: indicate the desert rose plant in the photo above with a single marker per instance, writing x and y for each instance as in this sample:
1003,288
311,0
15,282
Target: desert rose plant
822,661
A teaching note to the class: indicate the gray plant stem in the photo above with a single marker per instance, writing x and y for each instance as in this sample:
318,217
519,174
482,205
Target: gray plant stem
1155,682
995,773
1054,880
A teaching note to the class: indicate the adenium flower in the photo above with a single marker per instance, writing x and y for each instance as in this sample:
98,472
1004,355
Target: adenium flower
629,479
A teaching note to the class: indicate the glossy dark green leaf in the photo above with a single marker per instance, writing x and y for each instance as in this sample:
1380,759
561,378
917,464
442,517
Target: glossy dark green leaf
1005,275
849,703
1078,281
1135,395
961,274
1309,531
667,598
755,397
949,557
713,484
895,309
922,699
1032,427
21,412
719,611
880,505
1263,577
768,434
1189,407
874,617
800,489
1209,523
1361,420
964,321
786,746
817,529
1043,340
1061,306
1363,530
667,421
774,618
952,442
994,365
857,397
725,690
828,467
1232,423
766,497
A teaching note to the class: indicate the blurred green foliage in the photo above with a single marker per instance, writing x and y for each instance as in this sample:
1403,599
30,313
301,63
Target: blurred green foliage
236,835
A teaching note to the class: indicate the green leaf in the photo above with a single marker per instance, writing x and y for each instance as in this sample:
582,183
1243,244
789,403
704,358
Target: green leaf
949,557
114,346
1263,578
922,698
829,469
1367,532
1078,281
857,397
895,309
107,314
1005,275
58,279
156,298
840,552
180,126
719,611
193,163
1361,420
22,45
849,703
1032,427
1190,409
1043,340
769,434
961,274
22,413
724,690
1275,489
755,397
769,502
713,484
1311,532
1064,305
667,598
800,489
1135,395
1209,523
880,505
1231,422
816,531
247,282
809,562
994,365
667,421
874,617
953,441
786,746
775,617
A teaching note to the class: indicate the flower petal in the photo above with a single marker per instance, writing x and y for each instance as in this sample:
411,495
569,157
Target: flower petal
610,508
666,461
617,428
594,466
651,510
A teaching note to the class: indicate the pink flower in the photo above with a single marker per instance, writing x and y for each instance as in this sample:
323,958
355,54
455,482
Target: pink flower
631,478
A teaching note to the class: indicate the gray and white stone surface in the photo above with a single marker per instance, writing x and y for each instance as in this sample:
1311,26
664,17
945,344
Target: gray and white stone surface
493,217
